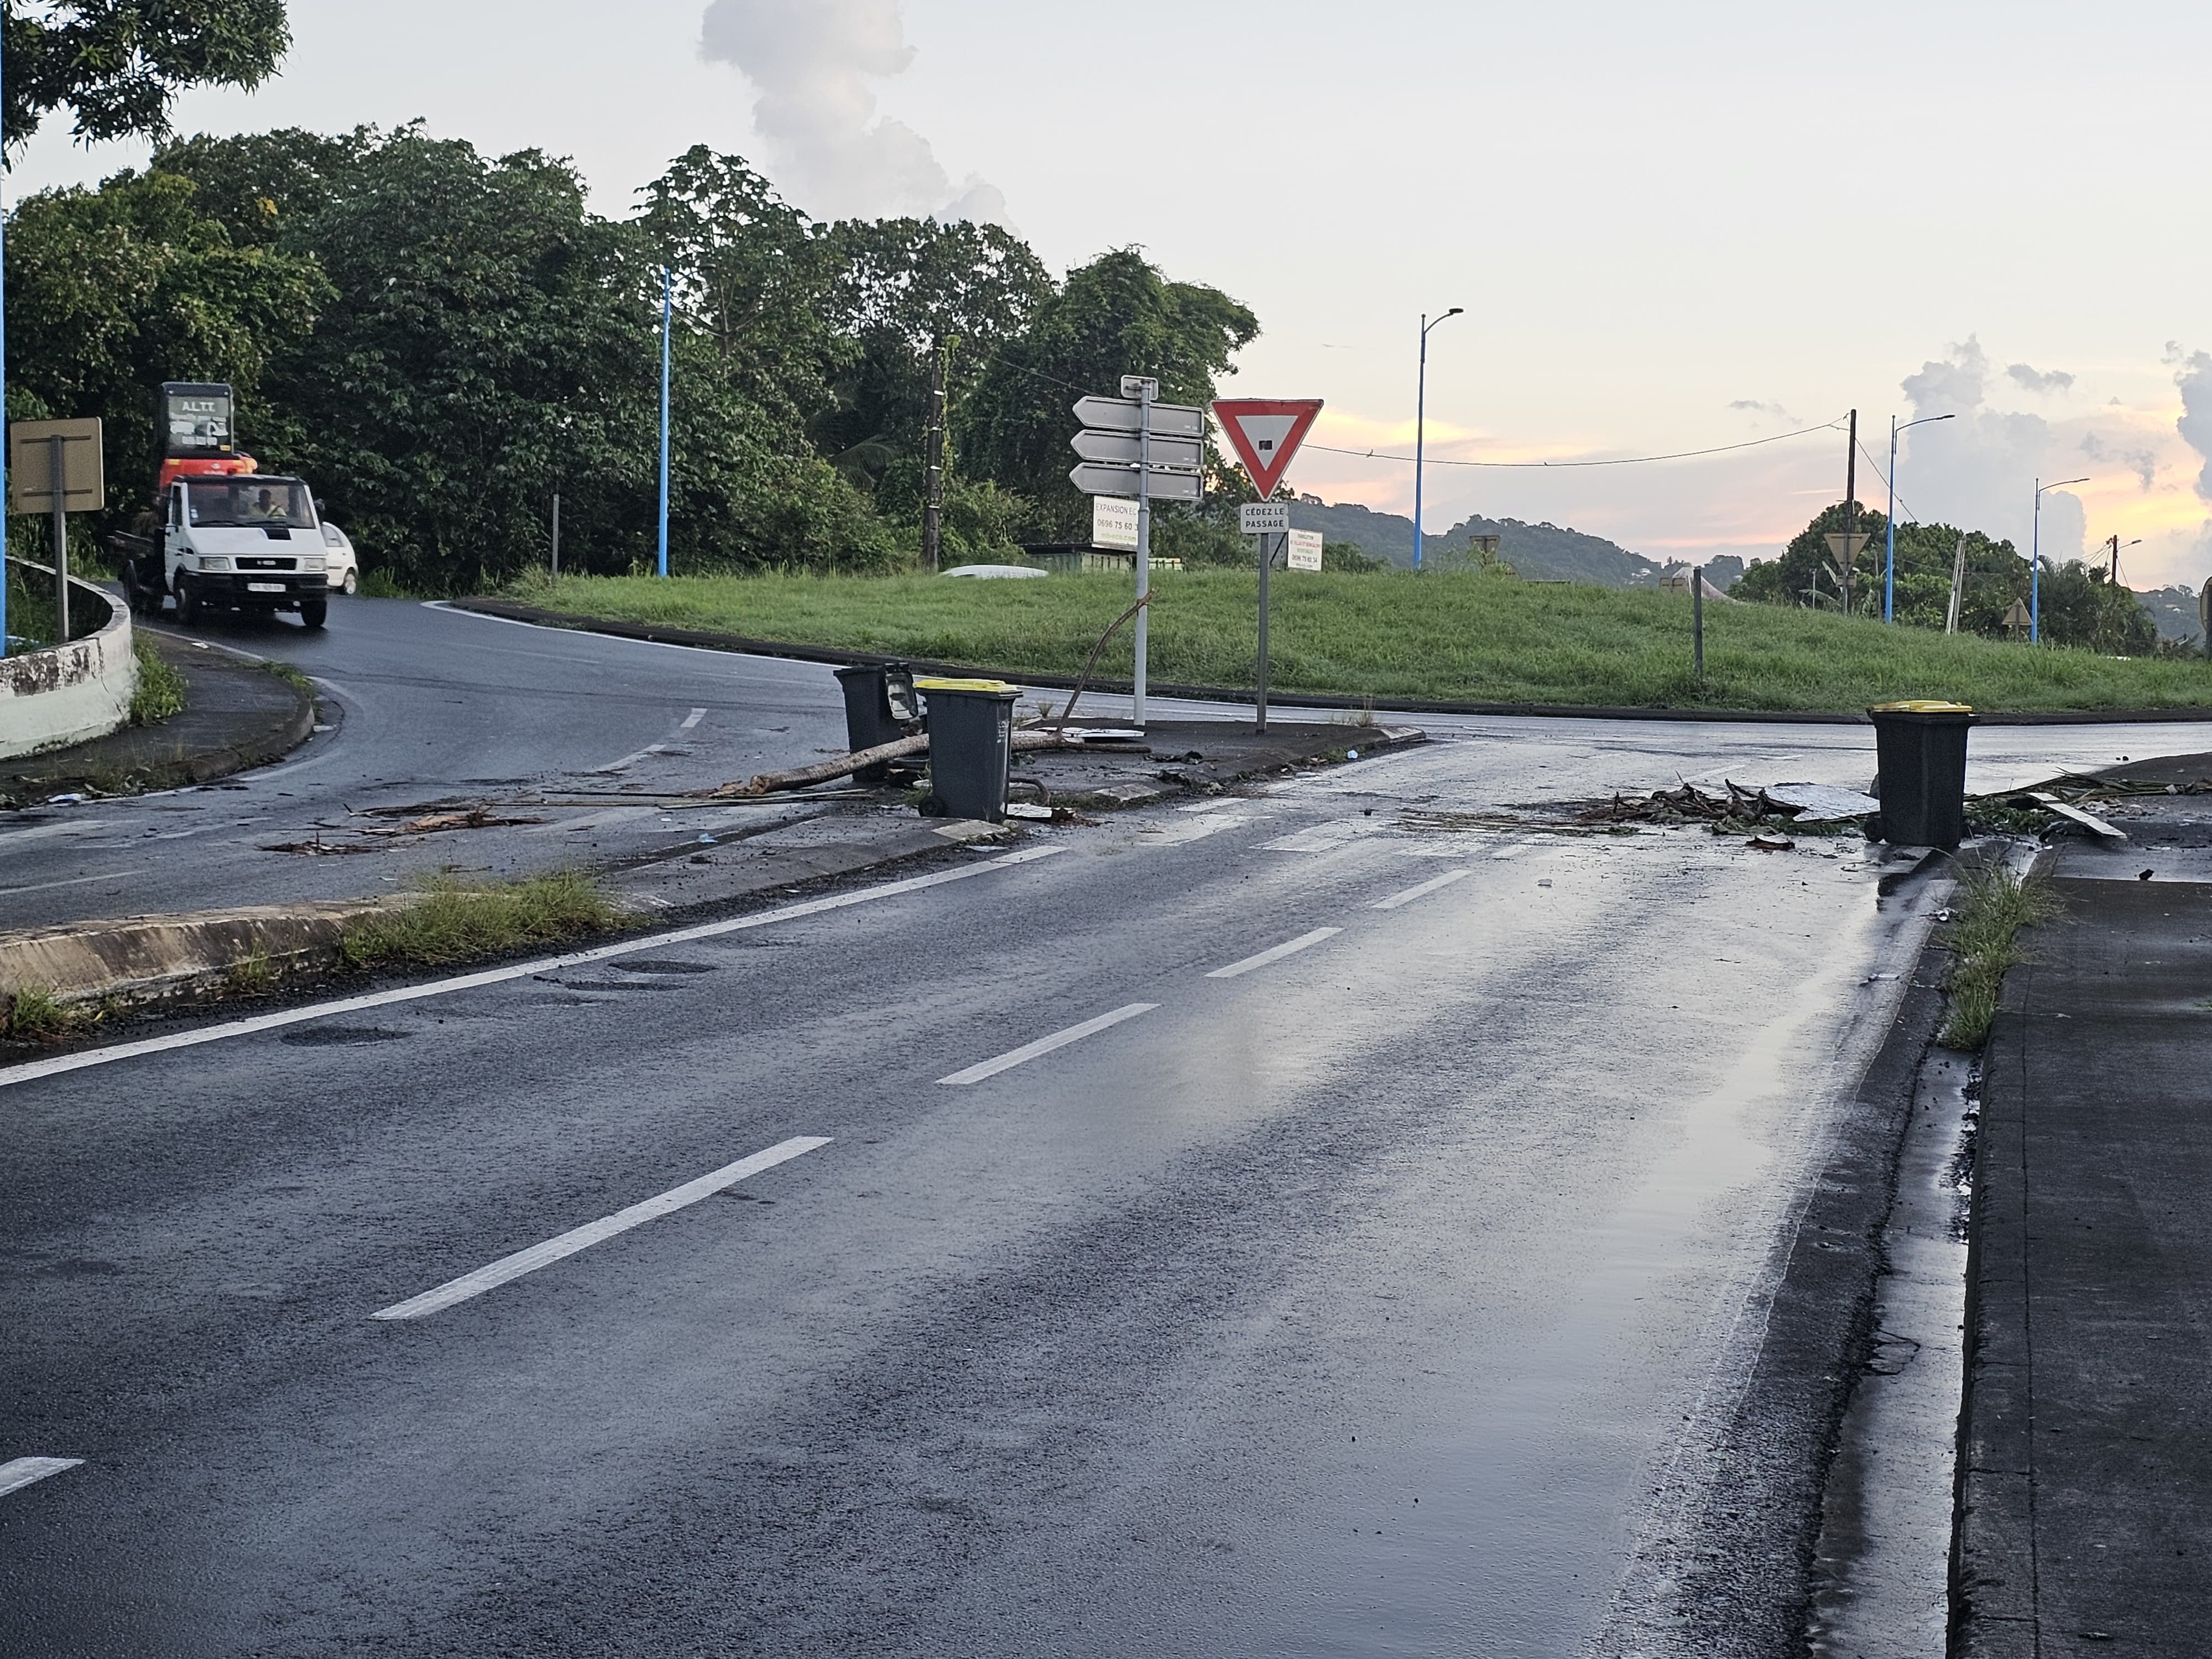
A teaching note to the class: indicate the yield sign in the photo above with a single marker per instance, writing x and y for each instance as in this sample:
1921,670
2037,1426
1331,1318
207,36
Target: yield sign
1266,432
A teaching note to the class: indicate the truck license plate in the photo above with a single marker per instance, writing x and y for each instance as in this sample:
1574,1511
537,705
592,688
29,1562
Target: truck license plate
265,587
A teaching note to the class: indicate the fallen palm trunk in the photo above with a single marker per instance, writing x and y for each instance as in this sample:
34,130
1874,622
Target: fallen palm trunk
822,771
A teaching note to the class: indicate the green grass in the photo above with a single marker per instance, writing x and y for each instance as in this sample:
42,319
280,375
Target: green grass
455,922
161,690
1993,906
38,1016
1456,637
291,674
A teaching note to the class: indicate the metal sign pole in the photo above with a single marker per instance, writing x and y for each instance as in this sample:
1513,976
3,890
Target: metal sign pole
58,473
1144,392
556,532
1260,669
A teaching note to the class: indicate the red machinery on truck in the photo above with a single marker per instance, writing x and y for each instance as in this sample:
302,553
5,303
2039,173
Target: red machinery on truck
221,534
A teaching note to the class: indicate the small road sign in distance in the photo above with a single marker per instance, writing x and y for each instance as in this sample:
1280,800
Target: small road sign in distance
1266,432
1125,447
1128,415
1103,478
1263,518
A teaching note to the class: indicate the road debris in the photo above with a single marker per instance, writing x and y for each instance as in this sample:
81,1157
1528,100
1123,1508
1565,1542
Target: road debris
1739,811
1772,844
479,817
2089,821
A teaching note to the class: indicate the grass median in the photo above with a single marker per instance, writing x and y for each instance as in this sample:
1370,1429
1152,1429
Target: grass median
1443,637
450,920
1993,905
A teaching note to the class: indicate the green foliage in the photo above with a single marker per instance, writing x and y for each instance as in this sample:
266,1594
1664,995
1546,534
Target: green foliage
450,920
1443,636
36,1014
1118,315
111,292
1993,906
161,692
116,64
2078,603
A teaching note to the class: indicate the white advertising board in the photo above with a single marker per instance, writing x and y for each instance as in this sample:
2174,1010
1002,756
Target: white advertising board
1305,550
1113,523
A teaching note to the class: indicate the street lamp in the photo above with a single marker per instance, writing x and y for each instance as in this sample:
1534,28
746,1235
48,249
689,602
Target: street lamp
1420,417
2035,560
667,307
1889,552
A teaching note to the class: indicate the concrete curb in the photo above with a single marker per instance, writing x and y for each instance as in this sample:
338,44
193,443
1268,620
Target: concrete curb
707,639
151,958
72,692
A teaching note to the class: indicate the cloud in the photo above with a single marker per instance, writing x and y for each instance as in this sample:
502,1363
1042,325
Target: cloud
1752,406
2193,374
813,63
2143,463
1979,471
2036,380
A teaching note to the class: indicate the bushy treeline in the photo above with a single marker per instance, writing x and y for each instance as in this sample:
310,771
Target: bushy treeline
2079,605
439,341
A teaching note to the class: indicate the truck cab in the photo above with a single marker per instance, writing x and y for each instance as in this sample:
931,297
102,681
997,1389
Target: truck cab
244,541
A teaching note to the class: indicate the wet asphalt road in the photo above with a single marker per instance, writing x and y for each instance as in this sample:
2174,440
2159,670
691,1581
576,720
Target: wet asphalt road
1347,1303
1380,1297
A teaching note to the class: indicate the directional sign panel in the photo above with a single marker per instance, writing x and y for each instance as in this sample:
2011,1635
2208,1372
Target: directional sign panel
1103,478
1128,415
1266,432
1126,446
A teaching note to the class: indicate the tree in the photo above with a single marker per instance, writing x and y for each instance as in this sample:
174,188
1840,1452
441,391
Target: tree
117,65
1116,316
113,291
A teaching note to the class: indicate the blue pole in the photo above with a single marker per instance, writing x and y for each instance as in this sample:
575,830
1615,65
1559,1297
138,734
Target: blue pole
1421,415
1889,553
2035,570
667,307
3,422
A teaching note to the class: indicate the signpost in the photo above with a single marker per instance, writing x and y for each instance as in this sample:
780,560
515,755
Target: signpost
1136,446
1843,558
1266,432
68,477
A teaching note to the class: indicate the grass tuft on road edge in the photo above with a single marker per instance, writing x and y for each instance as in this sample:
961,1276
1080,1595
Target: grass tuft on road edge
37,1016
161,690
454,921
1994,905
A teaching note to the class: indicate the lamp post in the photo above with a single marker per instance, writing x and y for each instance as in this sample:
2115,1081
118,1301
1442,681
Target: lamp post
1889,529
2035,560
667,295
1421,424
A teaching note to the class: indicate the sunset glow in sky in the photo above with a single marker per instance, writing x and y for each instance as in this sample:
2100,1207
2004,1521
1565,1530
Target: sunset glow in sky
1672,227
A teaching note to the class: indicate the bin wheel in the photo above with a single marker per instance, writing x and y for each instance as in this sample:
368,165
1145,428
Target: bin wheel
934,807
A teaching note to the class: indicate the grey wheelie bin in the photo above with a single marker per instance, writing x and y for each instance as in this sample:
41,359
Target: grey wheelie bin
878,709
1921,751
971,729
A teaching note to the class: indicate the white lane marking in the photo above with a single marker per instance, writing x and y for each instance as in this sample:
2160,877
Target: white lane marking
1045,1045
1175,832
18,1473
1418,890
692,719
32,1069
1323,837
1507,852
74,881
75,827
1211,806
629,760
1276,953
509,1267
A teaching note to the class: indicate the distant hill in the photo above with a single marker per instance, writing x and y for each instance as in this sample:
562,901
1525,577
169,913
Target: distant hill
2173,608
1541,552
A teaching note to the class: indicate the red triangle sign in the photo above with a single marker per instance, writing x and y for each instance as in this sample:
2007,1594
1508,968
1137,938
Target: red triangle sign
1266,432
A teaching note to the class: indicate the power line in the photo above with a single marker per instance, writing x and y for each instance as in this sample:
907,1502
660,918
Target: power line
1626,460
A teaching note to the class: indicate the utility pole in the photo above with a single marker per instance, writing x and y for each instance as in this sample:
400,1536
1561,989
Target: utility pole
1850,510
2115,558
1958,587
932,504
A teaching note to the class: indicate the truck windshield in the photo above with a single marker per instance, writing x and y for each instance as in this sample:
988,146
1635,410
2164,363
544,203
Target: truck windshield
248,501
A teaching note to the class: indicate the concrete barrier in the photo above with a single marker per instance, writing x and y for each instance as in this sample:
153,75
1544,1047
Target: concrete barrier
68,693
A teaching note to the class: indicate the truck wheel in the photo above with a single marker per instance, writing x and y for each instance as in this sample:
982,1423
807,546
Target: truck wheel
188,604
313,612
352,581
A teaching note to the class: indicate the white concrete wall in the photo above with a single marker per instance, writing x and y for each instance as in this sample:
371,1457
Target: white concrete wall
83,690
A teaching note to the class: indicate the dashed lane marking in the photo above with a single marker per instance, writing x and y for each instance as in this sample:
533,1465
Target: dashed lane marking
692,719
31,1070
18,1473
508,1268
1420,889
1288,947
1045,1045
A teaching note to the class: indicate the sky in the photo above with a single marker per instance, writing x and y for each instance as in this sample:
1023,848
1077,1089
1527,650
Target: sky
1670,227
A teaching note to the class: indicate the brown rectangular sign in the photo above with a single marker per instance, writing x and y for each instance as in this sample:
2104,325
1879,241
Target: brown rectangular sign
31,462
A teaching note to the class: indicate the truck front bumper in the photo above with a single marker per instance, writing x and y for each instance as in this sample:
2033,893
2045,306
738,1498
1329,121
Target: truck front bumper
247,588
